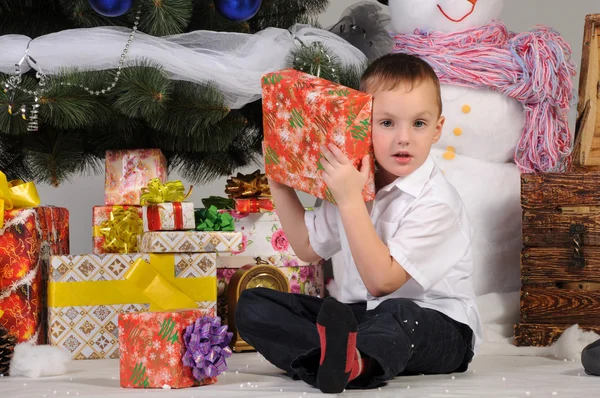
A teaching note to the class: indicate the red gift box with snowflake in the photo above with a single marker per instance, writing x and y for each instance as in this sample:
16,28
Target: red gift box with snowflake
27,239
175,349
301,112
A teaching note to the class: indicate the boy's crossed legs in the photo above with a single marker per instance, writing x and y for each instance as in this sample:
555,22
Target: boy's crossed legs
398,337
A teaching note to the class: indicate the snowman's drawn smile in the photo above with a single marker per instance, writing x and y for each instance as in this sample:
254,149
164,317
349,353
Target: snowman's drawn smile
473,2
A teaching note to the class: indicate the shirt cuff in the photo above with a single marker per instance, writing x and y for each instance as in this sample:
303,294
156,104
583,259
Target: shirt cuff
413,271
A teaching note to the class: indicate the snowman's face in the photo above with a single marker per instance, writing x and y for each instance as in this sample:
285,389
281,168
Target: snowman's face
442,15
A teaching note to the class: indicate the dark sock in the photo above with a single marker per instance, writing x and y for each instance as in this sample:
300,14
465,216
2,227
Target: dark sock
340,360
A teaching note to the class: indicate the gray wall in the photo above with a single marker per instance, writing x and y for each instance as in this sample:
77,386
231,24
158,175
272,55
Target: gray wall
83,192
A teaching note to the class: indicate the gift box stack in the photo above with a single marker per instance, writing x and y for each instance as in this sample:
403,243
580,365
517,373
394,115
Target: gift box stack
149,266
263,240
29,235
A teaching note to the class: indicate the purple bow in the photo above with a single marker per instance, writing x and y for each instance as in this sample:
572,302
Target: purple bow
207,346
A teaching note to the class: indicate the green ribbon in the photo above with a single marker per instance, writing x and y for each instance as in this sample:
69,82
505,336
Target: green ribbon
212,220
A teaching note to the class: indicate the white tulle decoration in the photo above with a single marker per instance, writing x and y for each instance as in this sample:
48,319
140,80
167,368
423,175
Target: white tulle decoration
235,62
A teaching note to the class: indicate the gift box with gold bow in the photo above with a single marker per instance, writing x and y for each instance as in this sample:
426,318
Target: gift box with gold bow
88,292
116,229
250,192
128,171
164,208
29,234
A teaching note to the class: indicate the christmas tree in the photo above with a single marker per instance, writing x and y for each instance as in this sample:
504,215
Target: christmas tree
54,125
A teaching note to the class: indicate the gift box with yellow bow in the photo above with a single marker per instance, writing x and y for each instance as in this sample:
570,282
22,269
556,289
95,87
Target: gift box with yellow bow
86,293
116,229
128,171
164,208
29,234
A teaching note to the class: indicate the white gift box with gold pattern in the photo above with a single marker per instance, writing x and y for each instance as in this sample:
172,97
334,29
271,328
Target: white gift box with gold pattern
88,292
190,242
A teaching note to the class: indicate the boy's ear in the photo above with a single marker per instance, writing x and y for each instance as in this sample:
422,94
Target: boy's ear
438,129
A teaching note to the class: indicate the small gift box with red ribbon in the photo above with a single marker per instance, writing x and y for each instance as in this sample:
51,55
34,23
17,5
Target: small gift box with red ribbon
164,208
128,171
250,192
176,349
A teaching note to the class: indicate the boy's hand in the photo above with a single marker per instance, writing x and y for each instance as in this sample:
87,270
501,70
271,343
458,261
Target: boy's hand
343,179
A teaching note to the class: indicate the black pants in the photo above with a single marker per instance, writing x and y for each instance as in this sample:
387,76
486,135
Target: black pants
398,335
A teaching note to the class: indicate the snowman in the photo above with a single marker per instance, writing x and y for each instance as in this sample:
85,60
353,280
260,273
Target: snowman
486,121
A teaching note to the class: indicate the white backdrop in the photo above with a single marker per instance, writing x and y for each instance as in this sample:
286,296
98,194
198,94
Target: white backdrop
83,192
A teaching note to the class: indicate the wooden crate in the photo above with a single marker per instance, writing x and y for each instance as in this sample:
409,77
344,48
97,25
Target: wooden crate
560,261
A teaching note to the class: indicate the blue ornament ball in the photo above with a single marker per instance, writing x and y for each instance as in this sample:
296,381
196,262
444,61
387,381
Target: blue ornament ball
111,8
238,10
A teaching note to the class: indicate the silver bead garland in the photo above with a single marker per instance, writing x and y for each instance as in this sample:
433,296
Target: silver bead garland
14,82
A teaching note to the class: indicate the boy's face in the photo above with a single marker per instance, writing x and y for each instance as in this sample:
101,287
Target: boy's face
405,126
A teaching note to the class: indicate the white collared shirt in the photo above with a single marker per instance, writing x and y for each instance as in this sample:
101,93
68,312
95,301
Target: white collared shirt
423,222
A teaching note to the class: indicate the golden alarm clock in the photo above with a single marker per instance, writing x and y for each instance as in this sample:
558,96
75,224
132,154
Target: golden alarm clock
248,277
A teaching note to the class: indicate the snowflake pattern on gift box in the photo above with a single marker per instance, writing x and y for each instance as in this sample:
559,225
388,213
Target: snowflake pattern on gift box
312,111
152,349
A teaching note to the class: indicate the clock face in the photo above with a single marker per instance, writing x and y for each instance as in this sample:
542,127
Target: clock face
263,281
264,276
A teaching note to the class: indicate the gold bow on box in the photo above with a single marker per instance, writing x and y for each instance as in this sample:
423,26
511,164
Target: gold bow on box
16,194
245,186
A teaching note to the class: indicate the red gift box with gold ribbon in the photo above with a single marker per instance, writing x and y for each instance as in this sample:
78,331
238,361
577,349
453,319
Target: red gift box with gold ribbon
28,236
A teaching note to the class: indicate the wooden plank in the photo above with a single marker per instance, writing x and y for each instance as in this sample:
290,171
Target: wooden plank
552,228
587,136
538,335
551,266
553,305
581,187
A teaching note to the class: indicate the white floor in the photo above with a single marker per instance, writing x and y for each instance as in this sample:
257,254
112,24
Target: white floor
250,376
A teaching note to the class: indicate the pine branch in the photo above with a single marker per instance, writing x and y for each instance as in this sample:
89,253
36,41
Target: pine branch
52,156
12,158
142,91
66,106
15,124
200,168
165,17
196,116
81,14
284,14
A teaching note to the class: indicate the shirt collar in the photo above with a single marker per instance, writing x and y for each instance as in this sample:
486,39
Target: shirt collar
413,183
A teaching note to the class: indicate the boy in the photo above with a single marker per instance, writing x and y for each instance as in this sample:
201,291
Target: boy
406,302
